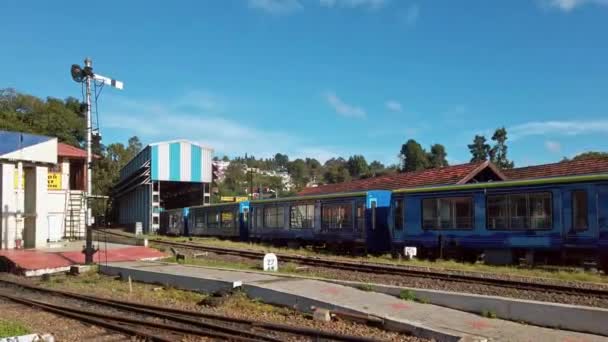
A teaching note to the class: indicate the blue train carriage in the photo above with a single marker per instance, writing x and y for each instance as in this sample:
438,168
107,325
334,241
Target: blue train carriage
347,220
560,219
224,220
174,222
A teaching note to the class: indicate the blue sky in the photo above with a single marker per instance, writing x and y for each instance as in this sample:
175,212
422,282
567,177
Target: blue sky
323,78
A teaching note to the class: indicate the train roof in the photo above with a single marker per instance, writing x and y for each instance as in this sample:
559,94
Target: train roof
511,183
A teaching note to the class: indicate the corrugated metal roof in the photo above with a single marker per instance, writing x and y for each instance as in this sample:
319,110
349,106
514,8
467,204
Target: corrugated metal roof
13,141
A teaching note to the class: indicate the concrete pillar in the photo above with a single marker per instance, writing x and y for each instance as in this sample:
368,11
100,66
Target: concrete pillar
8,206
42,201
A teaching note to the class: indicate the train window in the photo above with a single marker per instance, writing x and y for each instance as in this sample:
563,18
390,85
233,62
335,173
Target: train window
398,214
519,211
302,216
227,219
199,220
259,223
579,210
273,217
213,220
447,213
337,216
498,212
361,216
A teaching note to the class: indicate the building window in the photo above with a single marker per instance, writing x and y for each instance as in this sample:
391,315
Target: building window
227,219
302,216
580,220
337,216
447,213
361,216
273,217
398,214
519,211
213,220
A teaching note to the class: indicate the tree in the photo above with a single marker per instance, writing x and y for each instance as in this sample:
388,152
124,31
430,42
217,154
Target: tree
498,153
437,156
298,171
281,160
590,154
413,157
479,149
357,166
336,171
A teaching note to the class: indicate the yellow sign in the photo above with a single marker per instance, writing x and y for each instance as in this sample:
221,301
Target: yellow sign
54,181
16,180
227,216
233,198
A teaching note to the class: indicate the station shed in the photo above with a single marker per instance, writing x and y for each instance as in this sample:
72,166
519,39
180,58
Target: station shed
163,175
24,164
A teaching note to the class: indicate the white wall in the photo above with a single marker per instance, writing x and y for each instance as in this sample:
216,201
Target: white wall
8,206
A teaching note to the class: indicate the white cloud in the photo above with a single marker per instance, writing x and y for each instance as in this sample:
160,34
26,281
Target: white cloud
411,15
343,108
553,146
569,5
574,127
371,4
276,7
393,106
202,117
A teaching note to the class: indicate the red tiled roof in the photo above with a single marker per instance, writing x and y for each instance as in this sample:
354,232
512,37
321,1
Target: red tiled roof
456,174
65,150
567,168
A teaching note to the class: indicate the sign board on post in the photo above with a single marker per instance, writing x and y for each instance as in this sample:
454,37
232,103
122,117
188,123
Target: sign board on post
270,262
410,252
227,198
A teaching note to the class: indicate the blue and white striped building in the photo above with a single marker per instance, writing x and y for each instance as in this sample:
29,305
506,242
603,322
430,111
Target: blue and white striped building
163,175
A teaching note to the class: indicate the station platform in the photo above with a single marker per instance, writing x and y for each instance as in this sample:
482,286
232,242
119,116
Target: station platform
423,320
36,262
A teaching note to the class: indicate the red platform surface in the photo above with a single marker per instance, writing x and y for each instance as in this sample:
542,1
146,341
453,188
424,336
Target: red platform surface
116,254
26,261
34,260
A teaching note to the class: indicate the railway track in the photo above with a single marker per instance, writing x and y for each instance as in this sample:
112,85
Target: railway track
156,323
378,268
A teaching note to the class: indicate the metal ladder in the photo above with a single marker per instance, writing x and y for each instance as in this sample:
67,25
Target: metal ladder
74,215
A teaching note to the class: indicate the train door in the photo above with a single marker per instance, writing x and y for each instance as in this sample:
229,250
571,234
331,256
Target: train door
580,218
398,218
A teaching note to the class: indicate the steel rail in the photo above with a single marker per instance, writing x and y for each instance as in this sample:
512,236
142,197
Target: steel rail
105,323
161,312
378,268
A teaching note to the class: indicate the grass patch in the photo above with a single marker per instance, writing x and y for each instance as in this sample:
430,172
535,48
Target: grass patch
10,328
488,314
407,295
366,287
97,284
240,302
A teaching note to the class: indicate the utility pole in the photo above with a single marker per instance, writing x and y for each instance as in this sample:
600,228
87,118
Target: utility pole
85,75
89,250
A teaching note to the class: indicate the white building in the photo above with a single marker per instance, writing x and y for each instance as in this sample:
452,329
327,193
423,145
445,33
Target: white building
38,179
219,169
